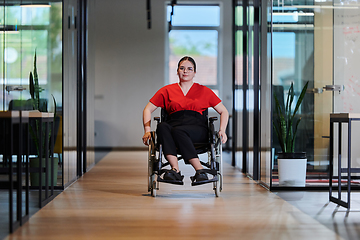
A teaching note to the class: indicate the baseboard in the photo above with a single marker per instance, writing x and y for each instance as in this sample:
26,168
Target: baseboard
108,149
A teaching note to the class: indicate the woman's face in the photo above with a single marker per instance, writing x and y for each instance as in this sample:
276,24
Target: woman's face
186,71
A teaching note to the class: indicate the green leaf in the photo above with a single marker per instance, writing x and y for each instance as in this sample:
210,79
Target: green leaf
31,85
284,120
277,130
295,131
281,124
301,97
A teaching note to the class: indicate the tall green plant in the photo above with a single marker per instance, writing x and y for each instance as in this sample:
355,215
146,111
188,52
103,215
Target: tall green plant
284,120
35,90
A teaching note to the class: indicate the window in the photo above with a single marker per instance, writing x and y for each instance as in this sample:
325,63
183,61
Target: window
195,32
25,29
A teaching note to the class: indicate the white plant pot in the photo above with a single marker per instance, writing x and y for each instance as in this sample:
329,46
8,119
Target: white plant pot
292,172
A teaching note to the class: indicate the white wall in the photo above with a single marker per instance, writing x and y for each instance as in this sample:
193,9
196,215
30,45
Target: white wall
129,66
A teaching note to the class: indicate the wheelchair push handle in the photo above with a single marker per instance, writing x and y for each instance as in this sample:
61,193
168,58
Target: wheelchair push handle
157,119
213,119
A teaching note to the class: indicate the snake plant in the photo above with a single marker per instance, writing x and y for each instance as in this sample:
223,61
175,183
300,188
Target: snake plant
35,90
284,120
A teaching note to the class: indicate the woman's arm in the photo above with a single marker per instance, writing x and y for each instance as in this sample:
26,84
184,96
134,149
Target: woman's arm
149,108
224,117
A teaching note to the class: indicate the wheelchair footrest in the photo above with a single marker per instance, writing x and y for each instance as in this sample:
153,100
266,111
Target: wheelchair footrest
214,179
212,172
177,182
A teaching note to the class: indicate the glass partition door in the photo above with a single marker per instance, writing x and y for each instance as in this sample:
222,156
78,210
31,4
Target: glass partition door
29,28
30,35
247,87
239,151
346,80
316,43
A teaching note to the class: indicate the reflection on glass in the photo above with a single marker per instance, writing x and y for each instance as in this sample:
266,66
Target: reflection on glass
250,91
26,30
239,92
346,72
293,62
45,37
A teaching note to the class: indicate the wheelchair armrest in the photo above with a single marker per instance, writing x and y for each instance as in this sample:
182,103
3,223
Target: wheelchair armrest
212,119
212,132
157,119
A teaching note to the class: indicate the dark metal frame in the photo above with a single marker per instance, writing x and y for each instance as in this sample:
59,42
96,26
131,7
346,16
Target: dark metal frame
245,87
80,26
234,117
257,125
245,124
19,123
48,196
20,219
348,169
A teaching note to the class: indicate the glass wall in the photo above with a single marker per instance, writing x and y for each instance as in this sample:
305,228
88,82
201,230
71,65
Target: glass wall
316,42
27,30
299,42
293,63
247,87
31,55
239,87
265,93
250,92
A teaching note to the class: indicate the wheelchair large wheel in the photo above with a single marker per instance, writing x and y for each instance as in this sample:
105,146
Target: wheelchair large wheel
218,156
151,173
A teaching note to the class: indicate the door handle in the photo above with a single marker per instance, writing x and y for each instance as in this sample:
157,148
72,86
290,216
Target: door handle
339,88
334,88
14,88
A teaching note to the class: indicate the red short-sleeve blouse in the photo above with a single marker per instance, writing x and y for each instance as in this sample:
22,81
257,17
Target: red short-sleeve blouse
172,98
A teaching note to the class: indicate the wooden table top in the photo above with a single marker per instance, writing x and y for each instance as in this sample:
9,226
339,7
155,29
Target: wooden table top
345,115
30,114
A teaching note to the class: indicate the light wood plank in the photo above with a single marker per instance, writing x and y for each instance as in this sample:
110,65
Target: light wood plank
111,202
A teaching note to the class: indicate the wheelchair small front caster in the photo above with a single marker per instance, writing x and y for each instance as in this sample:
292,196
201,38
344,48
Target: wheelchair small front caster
217,186
153,190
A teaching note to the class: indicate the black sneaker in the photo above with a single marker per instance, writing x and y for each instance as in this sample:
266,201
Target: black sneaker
173,175
200,176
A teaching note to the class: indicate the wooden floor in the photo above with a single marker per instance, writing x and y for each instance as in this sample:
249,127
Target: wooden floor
111,202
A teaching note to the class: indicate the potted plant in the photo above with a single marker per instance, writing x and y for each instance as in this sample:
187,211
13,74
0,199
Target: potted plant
35,127
291,164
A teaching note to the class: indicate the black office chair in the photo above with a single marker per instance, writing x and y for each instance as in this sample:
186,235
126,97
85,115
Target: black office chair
156,166
27,105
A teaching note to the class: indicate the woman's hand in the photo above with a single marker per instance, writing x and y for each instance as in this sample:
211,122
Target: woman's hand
223,136
146,138
149,108
224,118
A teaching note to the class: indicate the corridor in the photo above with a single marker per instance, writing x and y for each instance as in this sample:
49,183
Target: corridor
111,202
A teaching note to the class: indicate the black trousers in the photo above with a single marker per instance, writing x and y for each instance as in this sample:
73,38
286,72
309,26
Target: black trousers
181,131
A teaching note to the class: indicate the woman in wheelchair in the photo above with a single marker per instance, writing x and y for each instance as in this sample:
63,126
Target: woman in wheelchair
184,103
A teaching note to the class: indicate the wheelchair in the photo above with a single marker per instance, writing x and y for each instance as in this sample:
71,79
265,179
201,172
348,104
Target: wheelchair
213,167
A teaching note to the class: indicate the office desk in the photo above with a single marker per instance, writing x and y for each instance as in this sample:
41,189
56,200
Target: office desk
46,121
14,123
341,118
14,144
